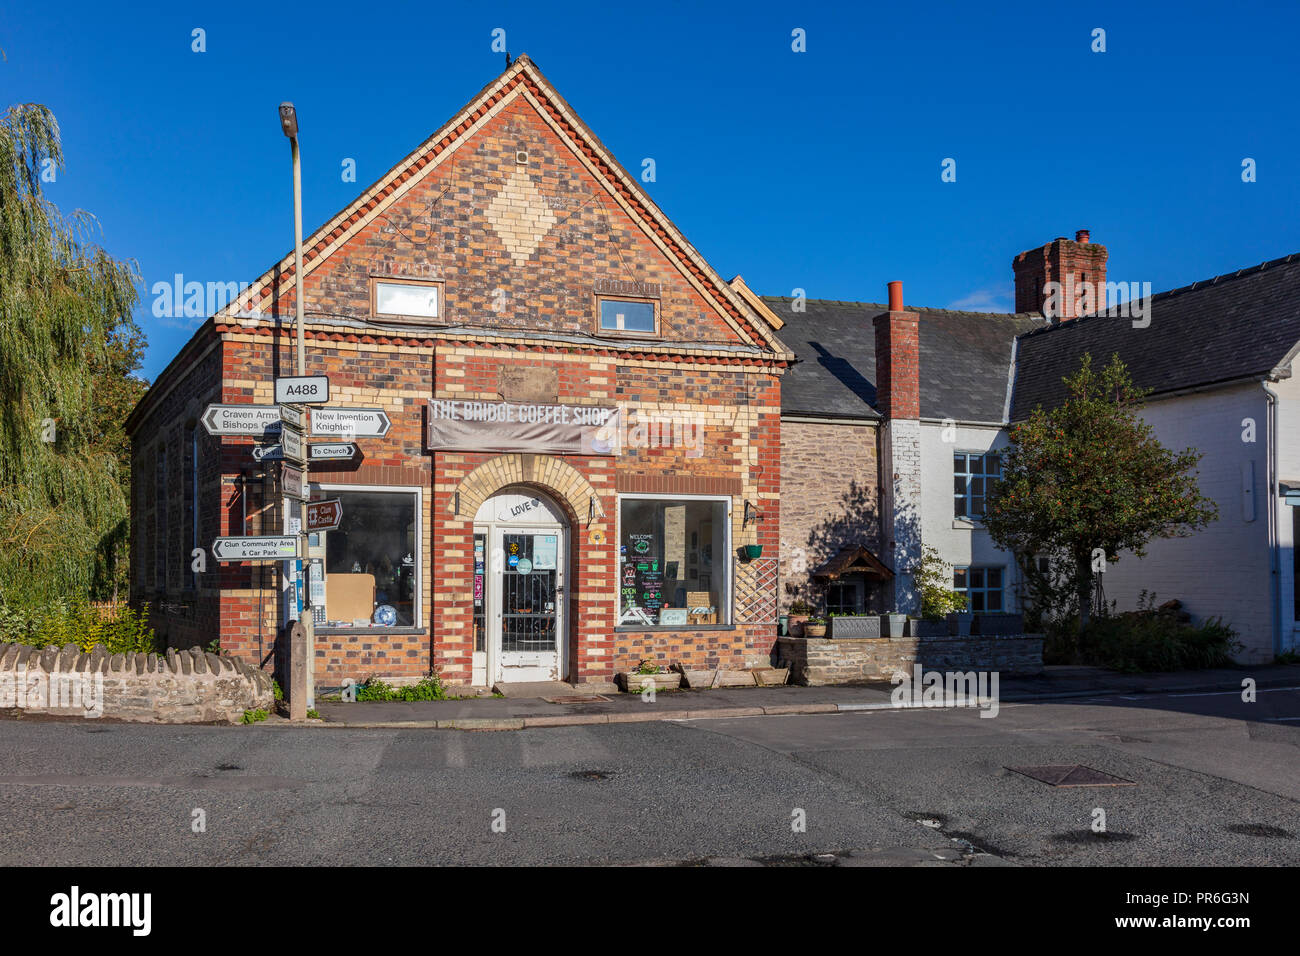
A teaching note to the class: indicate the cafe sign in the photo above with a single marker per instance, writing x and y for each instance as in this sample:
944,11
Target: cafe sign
526,427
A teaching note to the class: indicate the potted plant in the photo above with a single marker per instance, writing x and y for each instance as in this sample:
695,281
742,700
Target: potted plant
960,621
815,627
648,674
799,612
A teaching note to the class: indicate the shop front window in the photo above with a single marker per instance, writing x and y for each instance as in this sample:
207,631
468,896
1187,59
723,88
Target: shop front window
371,560
673,562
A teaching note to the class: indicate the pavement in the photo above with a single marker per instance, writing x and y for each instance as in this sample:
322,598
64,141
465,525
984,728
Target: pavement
519,713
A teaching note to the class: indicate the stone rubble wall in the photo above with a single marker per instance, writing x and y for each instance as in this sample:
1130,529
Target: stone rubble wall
817,662
183,687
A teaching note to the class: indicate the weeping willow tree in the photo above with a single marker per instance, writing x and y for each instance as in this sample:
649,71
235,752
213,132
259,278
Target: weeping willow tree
64,303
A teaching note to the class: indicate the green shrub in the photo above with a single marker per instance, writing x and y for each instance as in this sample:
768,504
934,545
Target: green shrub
119,631
429,687
253,716
1148,639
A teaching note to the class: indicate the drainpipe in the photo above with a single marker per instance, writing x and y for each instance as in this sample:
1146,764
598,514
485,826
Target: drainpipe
1274,546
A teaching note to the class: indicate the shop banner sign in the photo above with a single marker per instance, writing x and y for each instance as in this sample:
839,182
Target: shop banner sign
513,427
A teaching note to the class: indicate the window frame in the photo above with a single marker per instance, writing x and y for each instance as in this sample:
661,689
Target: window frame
967,513
728,595
599,297
417,626
1001,589
403,318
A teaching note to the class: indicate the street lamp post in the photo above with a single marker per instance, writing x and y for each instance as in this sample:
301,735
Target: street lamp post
301,689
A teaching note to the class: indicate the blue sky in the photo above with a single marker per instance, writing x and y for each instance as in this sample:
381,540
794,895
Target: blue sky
817,170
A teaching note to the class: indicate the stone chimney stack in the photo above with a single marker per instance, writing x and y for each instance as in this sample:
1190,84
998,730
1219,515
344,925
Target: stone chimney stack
898,391
1062,280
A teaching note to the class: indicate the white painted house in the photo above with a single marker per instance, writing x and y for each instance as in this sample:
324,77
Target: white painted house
1218,357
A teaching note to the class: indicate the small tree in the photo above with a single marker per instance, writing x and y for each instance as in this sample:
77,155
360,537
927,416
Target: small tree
1088,479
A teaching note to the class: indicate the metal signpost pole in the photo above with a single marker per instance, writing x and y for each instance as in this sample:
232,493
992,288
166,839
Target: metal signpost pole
302,689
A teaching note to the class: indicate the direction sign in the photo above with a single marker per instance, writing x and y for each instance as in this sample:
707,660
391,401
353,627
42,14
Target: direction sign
291,480
332,450
268,452
291,414
272,547
302,390
350,422
291,444
241,419
324,515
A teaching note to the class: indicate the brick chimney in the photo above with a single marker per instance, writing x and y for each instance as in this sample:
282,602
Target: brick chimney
1063,279
898,389
898,399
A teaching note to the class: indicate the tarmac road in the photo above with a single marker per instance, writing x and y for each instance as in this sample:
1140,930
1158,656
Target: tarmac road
1217,781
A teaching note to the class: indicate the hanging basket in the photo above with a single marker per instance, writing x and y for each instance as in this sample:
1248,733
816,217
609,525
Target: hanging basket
753,551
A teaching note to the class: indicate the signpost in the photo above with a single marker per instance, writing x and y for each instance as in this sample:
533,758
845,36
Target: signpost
241,419
291,480
292,415
350,422
331,451
302,390
291,444
267,547
324,515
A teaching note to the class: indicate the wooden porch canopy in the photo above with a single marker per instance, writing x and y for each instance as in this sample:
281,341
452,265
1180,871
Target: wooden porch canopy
854,560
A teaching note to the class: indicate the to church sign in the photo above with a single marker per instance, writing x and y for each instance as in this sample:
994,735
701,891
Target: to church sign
530,428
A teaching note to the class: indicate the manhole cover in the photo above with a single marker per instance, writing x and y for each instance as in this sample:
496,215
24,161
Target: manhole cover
576,699
1072,775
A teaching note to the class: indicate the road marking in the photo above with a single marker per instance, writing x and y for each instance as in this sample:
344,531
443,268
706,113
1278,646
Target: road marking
1225,693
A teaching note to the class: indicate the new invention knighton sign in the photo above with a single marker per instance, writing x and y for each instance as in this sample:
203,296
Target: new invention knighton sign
513,427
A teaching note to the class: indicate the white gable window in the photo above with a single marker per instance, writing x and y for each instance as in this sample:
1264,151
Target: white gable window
407,299
628,315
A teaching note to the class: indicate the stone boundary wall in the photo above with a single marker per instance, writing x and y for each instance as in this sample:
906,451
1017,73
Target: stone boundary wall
183,687
816,662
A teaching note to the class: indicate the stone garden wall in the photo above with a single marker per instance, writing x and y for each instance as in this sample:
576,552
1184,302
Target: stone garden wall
817,662
179,687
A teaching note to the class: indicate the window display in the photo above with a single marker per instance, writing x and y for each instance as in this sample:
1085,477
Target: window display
672,562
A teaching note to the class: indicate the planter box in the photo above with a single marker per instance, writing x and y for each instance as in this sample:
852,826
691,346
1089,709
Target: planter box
998,624
636,683
771,676
862,625
704,679
924,628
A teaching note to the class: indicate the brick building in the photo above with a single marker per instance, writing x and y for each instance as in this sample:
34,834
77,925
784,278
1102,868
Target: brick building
585,427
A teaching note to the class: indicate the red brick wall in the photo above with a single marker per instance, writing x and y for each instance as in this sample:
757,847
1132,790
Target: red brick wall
519,248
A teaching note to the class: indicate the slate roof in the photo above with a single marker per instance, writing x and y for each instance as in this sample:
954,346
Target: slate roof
965,360
1238,326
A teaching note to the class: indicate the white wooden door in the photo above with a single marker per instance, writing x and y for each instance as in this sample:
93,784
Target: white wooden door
527,602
